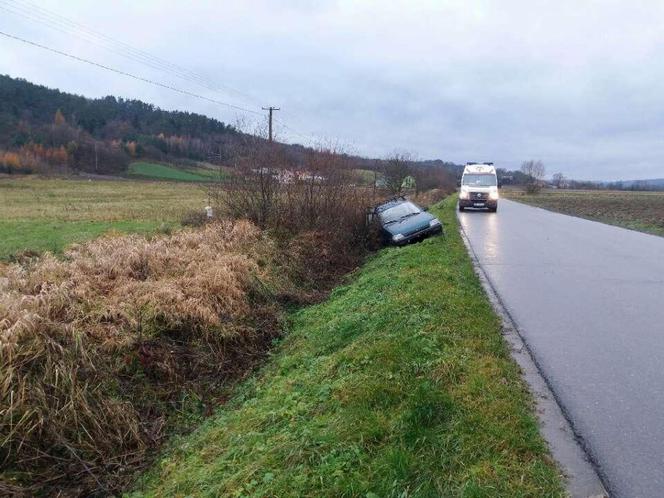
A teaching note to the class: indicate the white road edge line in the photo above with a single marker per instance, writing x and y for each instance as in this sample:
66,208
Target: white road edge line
581,476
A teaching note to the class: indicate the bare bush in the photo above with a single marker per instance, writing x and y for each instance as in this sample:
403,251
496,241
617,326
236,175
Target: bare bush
534,171
317,194
559,180
395,171
254,189
429,178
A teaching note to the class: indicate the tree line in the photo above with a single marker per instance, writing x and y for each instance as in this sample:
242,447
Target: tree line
46,130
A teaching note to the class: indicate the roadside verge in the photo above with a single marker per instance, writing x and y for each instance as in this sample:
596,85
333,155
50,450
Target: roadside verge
400,384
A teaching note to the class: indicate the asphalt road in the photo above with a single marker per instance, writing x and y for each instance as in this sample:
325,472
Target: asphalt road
588,300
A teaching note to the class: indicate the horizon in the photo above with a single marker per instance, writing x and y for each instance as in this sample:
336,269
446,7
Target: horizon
418,159
526,82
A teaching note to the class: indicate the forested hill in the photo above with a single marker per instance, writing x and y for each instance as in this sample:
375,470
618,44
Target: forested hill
108,116
45,128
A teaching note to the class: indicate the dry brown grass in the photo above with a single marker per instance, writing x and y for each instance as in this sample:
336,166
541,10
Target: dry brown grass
96,348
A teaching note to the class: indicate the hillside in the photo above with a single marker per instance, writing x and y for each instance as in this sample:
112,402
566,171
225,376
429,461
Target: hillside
46,130
43,130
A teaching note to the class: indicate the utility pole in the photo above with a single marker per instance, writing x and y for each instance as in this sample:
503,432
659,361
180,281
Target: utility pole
270,109
219,157
96,159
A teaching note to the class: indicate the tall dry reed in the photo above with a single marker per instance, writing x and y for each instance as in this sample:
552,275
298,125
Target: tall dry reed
99,347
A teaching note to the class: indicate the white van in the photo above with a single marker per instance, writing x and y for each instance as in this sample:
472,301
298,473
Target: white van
479,187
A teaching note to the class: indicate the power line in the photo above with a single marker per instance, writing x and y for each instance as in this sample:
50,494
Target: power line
130,75
31,11
52,20
294,131
131,54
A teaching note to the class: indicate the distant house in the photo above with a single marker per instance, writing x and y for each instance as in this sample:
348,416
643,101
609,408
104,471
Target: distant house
306,176
263,171
289,176
285,176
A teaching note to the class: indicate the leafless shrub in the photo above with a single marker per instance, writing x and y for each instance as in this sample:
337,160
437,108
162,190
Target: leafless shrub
534,171
559,180
395,171
254,188
316,195
433,179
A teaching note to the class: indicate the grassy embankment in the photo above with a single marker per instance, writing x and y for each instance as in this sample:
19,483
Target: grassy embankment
156,171
399,385
49,214
643,211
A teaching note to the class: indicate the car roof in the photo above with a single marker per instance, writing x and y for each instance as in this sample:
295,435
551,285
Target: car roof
391,203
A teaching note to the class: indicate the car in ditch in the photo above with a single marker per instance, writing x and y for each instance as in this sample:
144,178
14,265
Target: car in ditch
402,221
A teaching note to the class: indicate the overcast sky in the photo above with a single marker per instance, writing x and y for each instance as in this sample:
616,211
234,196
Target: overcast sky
577,84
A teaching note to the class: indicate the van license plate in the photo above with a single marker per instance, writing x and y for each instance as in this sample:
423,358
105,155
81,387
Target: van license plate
478,204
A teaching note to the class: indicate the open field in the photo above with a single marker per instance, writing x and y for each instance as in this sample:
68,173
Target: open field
157,171
399,385
48,214
643,211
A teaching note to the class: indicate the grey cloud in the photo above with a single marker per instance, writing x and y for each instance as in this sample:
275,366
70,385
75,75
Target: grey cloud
575,84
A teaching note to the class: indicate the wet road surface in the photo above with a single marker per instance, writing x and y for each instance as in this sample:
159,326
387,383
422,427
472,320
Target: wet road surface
588,299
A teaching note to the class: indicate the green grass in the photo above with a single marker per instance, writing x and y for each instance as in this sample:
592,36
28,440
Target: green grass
54,236
165,172
48,214
399,385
